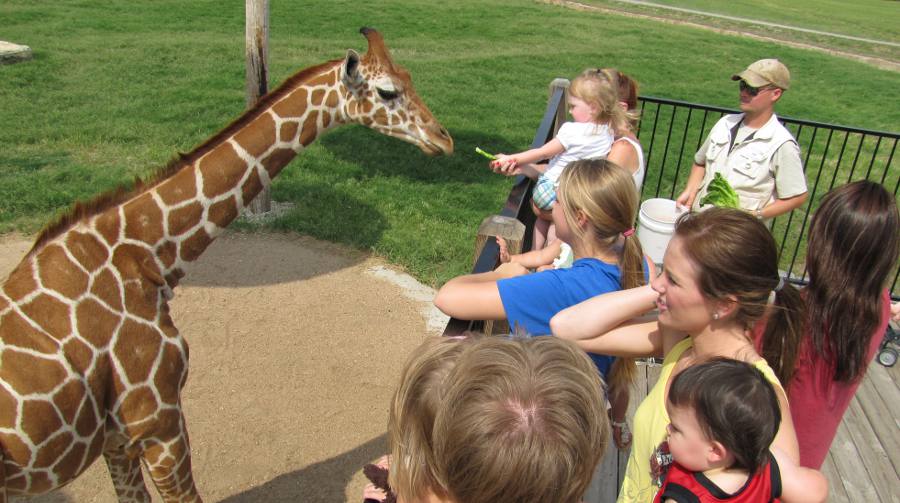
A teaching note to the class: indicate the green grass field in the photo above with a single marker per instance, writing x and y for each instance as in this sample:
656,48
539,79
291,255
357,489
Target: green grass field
874,20
117,88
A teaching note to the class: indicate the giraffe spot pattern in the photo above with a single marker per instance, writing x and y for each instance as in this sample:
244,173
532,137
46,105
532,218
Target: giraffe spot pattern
167,253
43,375
192,247
58,273
279,158
139,404
251,187
288,132
170,364
106,288
180,188
87,423
293,105
184,218
95,322
40,482
223,212
50,314
308,133
18,333
216,181
107,224
136,348
49,453
39,421
258,137
143,219
8,408
68,400
70,465
87,250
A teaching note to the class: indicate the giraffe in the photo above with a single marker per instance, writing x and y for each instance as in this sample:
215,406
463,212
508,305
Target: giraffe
90,360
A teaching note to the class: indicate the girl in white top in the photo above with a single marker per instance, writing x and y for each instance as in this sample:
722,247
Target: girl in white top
593,104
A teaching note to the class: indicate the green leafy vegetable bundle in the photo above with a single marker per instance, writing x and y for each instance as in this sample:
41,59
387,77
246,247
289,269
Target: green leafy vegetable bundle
719,193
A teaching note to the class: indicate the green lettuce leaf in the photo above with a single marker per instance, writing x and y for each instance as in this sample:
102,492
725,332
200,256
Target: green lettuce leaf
719,193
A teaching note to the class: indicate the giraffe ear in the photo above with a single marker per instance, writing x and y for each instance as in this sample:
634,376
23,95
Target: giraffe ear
351,75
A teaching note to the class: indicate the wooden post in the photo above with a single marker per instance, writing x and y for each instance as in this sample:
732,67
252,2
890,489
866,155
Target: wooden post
560,111
513,231
256,34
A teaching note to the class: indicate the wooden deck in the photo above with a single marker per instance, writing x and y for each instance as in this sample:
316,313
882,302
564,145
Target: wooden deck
862,466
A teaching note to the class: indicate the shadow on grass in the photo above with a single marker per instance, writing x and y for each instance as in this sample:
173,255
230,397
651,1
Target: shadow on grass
323,482
380,155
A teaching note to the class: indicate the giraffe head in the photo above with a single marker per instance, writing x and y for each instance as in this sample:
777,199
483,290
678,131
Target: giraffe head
380,95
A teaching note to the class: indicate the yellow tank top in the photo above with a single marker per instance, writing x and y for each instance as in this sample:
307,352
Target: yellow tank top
650,420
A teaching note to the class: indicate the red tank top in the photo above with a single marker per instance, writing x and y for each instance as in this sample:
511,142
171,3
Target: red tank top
684,486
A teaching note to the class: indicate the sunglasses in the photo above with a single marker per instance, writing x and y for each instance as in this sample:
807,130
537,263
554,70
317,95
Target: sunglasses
753,91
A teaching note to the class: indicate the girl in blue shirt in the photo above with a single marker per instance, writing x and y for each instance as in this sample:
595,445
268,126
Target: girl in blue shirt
594,213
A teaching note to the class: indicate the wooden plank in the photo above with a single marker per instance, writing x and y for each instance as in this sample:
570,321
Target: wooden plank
887,388
847,462
607,479
872,454
871,398
836,491
603,488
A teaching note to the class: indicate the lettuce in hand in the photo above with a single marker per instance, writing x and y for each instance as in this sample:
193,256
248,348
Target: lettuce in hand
719,193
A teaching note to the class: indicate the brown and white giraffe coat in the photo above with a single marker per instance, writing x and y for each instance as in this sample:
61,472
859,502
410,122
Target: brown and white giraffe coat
90,360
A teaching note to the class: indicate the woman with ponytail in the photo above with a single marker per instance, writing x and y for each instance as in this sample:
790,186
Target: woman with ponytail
852,249
720,272
594,212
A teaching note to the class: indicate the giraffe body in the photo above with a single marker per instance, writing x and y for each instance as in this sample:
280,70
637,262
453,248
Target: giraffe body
90,360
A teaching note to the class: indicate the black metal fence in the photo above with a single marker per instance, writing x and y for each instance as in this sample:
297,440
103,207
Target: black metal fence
671,131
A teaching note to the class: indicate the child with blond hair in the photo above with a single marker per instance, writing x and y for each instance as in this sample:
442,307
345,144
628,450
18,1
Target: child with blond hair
596,115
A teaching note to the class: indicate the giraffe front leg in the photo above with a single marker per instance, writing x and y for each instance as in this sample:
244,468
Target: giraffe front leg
169,463
126,475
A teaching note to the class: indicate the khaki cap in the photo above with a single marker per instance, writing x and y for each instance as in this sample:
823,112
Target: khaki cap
765,72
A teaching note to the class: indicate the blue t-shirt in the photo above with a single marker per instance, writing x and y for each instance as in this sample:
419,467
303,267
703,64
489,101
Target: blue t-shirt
531,300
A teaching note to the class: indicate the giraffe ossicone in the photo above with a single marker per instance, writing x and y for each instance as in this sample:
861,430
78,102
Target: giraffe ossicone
90,360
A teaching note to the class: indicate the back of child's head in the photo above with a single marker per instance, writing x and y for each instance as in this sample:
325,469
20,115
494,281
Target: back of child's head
412,414
604,194
734,404
628,95
522,420
600,89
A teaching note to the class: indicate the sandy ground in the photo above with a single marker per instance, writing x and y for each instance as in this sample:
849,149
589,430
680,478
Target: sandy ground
295,348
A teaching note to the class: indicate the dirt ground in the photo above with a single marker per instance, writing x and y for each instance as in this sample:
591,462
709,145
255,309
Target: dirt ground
295,348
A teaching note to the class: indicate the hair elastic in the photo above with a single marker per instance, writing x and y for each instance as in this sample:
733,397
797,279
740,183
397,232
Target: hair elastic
628,232
780,284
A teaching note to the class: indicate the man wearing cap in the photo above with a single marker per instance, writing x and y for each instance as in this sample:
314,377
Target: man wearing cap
752,150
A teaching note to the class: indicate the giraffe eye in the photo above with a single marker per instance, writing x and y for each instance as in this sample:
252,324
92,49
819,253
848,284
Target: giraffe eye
387,95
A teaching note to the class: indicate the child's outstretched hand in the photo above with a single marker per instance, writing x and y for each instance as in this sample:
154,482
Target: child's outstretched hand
505,165
504,250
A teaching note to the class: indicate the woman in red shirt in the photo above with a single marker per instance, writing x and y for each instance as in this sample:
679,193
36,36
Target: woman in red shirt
852,250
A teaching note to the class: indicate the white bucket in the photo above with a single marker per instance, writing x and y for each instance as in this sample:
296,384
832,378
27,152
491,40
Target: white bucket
656,224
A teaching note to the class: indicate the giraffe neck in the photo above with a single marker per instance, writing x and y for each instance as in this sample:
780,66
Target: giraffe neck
178,217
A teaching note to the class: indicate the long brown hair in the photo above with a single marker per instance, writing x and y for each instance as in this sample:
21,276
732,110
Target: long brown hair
604,193
852,249
737,258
